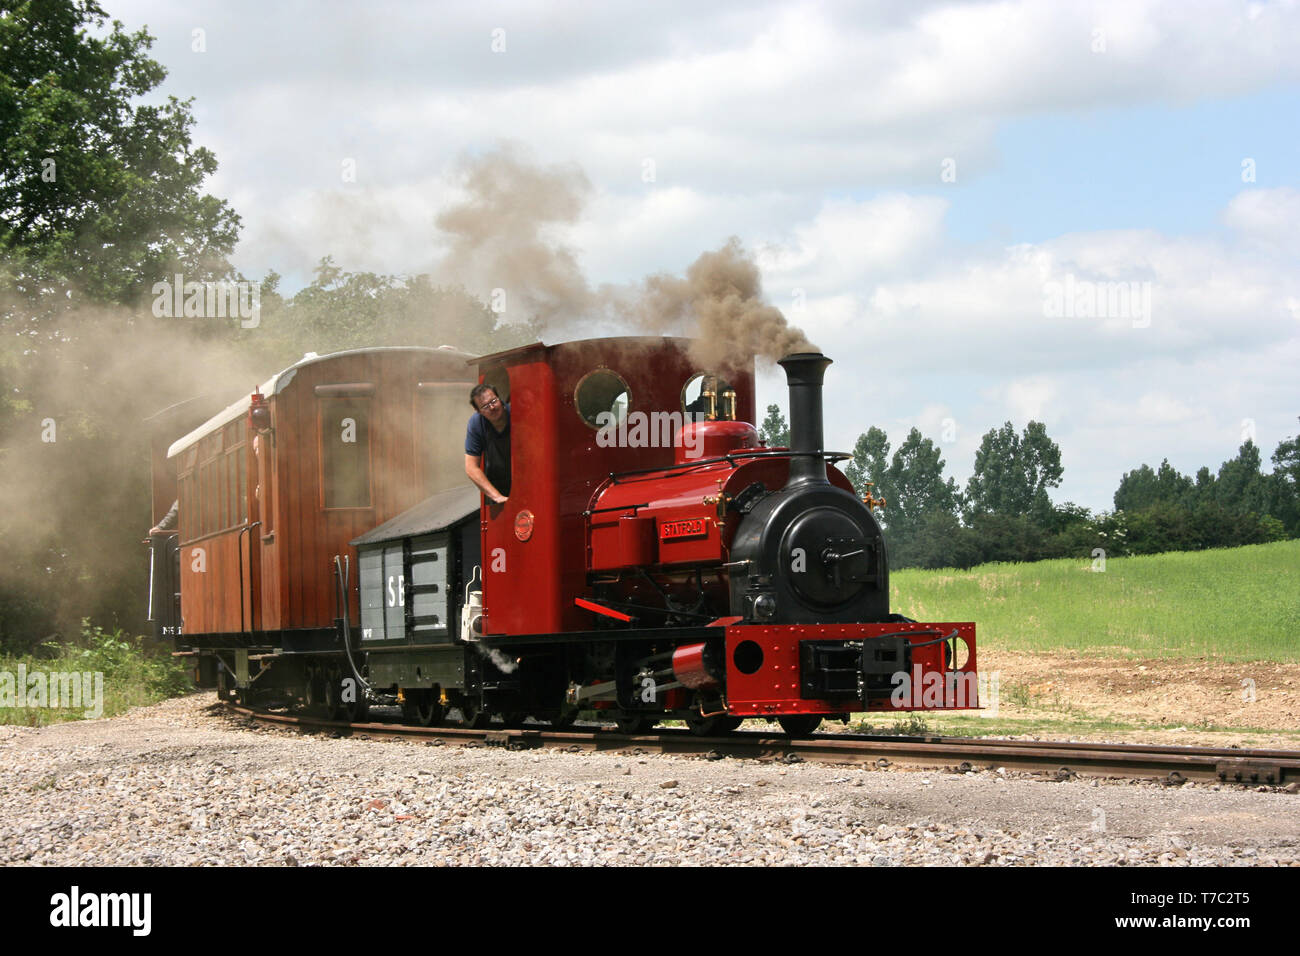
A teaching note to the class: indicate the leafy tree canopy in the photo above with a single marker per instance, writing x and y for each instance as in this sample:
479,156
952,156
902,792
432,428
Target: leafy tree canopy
1013,472
775,431
98,190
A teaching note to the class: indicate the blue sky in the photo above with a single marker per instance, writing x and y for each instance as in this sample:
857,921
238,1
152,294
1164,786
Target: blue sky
1169,167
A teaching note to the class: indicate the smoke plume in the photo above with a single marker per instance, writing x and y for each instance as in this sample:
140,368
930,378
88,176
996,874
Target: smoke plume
500,240
721,300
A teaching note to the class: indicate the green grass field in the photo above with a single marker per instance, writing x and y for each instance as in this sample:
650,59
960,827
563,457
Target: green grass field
1235,604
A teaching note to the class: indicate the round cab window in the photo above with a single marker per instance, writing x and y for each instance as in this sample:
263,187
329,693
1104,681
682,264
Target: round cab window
601,398
706,394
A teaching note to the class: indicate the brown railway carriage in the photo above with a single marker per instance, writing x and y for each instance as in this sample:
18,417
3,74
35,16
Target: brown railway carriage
278,483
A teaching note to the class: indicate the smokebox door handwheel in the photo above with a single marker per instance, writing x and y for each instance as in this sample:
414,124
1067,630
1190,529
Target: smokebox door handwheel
827,557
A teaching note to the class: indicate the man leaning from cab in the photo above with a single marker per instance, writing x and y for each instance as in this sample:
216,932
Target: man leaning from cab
487,439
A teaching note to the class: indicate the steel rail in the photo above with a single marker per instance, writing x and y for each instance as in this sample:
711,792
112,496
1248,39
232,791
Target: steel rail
1063,759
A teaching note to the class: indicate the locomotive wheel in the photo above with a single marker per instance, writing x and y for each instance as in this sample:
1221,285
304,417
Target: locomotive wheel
635,725
564,720
712,725
799,725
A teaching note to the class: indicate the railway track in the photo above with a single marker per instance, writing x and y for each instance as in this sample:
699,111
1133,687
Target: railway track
1172,765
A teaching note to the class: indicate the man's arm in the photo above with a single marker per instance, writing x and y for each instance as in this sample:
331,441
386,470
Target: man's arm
477,476
168,520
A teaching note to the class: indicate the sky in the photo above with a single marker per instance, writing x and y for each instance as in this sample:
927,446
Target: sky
1081,213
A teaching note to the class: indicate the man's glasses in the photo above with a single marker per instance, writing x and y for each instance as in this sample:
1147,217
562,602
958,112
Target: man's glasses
492,404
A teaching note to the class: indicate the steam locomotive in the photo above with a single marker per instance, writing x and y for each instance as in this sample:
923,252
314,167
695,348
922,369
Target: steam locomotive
654,560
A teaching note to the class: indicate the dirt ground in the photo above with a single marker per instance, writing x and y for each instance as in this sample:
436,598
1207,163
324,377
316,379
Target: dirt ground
1191,701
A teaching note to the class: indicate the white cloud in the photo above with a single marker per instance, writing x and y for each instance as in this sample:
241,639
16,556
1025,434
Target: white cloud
774,123
1267,216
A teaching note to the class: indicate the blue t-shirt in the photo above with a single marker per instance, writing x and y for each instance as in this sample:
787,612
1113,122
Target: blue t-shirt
476,432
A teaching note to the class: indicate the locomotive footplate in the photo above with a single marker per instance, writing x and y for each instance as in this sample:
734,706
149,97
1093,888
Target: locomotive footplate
862,670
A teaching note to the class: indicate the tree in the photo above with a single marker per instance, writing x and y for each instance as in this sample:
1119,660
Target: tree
95,188
1240,485
1286,484
1012,474
917,496
341,310
870,463
775,432
1040,463
916,481
100,198
1143,487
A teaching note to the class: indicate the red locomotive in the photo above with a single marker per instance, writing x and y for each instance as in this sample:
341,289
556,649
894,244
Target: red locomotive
653,560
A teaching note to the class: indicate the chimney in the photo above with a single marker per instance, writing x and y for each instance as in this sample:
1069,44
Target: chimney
804,372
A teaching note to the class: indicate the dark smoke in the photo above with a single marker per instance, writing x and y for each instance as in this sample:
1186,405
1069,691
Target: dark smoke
498,236
721,300
499,239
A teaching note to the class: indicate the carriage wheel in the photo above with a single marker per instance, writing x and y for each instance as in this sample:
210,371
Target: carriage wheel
226,685
351,711
313,695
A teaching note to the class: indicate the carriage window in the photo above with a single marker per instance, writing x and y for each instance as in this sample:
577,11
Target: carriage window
345,452
708,395
439,433
601,398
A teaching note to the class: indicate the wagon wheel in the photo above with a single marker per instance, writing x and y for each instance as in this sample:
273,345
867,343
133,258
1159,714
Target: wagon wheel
421,707
635,724
428,710
799,725
473,715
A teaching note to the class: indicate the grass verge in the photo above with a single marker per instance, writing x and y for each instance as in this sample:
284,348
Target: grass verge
129,675
1234,604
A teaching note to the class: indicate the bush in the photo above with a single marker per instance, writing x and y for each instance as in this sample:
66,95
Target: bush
132,674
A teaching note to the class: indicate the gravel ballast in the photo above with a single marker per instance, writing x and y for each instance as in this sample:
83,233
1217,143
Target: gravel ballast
184,783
